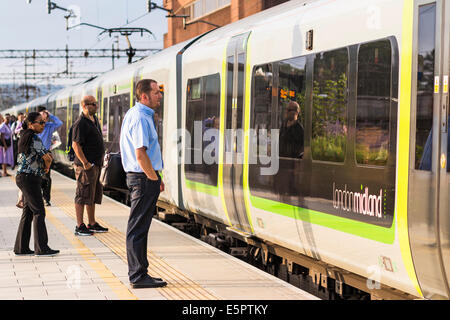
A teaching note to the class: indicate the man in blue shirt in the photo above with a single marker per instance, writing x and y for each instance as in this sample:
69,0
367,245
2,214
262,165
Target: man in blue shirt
52,123
141,159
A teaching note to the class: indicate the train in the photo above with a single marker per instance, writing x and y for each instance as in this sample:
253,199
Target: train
363,210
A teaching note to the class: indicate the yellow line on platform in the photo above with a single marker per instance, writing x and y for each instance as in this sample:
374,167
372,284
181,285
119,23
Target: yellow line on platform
108,277
179,286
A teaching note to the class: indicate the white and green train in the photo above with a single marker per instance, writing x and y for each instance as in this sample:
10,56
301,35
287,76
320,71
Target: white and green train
365,205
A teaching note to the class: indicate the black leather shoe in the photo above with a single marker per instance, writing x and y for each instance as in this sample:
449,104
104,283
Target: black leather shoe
149,282
25,253
48,253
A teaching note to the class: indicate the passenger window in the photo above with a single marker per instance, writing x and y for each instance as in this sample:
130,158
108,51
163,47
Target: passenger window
159,115
203,122
61,113
291,104
373,103
425,87
329,112
112,115
105,119
75,112
262,117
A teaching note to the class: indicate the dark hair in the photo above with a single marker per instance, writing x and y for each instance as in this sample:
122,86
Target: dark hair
41,108
32,116
20,113
143,86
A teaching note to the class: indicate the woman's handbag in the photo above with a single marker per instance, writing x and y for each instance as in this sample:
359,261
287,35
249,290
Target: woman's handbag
112,175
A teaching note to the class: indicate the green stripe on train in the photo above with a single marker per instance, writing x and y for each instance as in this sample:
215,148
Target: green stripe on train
361,229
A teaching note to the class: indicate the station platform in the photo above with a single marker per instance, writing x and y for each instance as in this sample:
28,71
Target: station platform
95,267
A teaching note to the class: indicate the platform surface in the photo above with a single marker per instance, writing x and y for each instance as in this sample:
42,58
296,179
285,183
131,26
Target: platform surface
95,267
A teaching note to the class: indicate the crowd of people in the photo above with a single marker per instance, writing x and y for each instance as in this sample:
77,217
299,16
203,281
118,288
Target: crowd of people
26,143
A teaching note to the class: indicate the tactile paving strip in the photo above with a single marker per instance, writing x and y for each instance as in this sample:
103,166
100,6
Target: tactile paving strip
179,287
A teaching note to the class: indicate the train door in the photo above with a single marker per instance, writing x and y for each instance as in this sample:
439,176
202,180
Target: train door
234,129
428,207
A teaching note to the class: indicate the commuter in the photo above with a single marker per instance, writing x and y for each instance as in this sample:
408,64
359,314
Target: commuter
16,128
52,123
6,148
33,161
141,159
292,133
87,143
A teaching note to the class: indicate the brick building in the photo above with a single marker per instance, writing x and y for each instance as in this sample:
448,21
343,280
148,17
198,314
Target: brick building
218,12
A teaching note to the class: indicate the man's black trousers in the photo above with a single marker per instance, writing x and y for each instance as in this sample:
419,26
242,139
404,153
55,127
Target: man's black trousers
144,194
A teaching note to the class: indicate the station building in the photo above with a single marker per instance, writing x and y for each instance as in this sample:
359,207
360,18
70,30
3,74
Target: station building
217,12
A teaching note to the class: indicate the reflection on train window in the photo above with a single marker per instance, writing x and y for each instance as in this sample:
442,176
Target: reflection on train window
61,113
195,89
373,106
291,103
158,119
105,119
75,112
262,98
425,86
329,112
202,129
118,106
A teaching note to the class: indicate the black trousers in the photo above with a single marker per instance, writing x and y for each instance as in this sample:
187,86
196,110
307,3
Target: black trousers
33,212
46,186
144,194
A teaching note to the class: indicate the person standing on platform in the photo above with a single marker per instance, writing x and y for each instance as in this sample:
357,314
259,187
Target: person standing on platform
6,148
16,128
141,159
34,161
52,123
87,143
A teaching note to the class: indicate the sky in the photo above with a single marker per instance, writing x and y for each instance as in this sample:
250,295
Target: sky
29,26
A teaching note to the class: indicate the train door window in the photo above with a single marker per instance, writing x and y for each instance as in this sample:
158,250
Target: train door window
329,112
75,112
230,81
61,113
159,117
425,86
291,107
262,109
373,103
105,119
202,113
112,116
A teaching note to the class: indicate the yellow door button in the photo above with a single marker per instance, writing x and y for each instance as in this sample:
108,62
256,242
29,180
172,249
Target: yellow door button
443,161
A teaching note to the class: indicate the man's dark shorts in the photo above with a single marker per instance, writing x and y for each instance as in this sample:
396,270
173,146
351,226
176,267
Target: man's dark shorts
89,189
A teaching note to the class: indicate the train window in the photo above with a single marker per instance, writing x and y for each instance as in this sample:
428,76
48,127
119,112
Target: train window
195,89
112,116
61,113
329,112
118,107
425,86
159,116
203,113
262,108
373,103
291,101
105,119
75,112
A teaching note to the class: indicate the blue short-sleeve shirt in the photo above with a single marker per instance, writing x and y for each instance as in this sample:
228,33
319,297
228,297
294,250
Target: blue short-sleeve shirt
138,130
